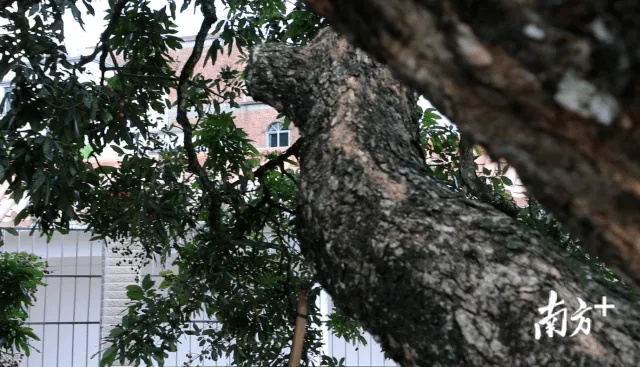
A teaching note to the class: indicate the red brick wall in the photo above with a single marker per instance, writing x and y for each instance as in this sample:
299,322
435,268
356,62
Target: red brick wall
252,119
209,71
255,123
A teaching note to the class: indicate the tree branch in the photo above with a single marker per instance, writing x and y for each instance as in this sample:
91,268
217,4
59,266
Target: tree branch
551,87
251,214
293,150
440,279
103,44
478,188
211,193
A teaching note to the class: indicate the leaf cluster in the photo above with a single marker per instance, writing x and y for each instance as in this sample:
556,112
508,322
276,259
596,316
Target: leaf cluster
441,144
21,275
224,222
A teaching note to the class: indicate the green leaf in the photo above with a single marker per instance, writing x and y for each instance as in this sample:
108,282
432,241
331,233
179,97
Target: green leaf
117,149
108,357
38,180
12,231
116,332
172,8
135,292
506,180
166,283
286,123
86,151
47,149
105,115
147,282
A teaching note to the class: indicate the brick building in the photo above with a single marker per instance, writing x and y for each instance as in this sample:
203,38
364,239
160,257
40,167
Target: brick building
254,118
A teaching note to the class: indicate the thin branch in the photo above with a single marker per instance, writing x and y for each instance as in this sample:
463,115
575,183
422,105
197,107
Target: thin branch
183,120
478,188
287,173
250,214
114,59
100,167
274,163
182,90
190,82
103,43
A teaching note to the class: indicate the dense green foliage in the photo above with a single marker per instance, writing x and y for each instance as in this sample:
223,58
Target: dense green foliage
206,219
21,275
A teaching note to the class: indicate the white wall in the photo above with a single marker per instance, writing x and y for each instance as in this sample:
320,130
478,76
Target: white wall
85,289
67,311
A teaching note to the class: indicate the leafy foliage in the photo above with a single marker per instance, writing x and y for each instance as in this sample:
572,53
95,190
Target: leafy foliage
345,328
203,216
21,275
441,144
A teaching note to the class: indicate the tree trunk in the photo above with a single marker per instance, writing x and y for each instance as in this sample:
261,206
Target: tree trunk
441,280
552,86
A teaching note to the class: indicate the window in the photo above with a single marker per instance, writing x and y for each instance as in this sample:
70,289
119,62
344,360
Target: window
277,135
7,96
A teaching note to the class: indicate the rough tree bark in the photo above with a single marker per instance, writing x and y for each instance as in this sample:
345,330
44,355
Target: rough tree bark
552,86
441,280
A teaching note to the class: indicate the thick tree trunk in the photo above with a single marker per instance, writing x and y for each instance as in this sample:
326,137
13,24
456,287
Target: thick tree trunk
440,280
552,86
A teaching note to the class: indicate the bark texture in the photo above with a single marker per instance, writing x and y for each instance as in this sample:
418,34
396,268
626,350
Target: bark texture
552,86
440,280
